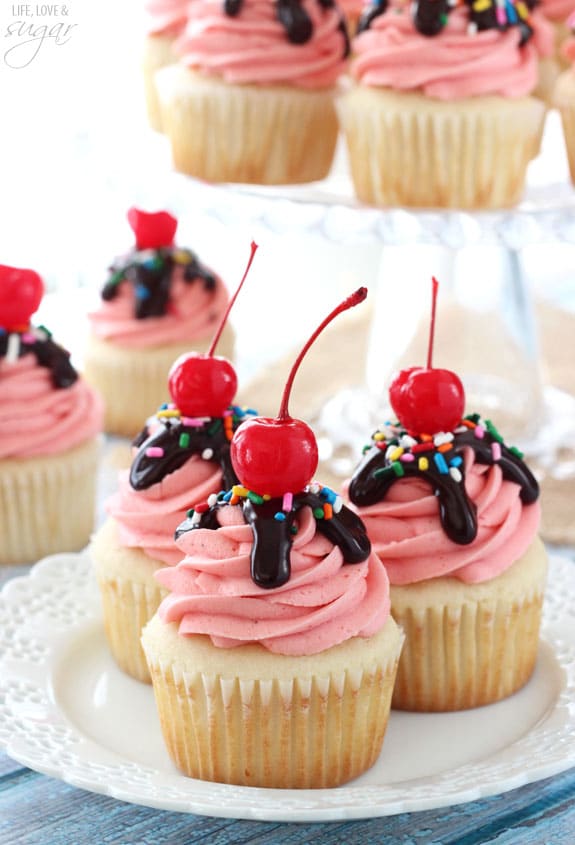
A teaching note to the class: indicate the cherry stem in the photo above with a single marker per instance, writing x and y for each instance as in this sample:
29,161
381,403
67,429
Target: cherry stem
358,296
220,329
434,290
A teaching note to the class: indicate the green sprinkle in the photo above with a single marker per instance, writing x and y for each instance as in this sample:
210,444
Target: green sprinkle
293,529
515,451
190,513
46,331
443,19
384,472
255,498
398,469
318,513
215,426
366,448
184,440
493,431
474,418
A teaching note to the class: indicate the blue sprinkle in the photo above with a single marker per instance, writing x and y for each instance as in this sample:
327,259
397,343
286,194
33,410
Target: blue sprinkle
3,330
456,462
279,516
511,13
328,494
440,463
142,292
228,496
164,406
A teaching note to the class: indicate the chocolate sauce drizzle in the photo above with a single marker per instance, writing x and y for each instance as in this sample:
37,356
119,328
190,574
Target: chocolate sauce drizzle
273,525
431,16
38,342
176,439
294,19
440,463
150,271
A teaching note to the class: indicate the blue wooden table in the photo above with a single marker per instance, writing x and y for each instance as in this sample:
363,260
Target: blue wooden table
38,810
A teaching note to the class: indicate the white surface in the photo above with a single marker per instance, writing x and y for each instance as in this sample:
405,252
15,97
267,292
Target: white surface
67,711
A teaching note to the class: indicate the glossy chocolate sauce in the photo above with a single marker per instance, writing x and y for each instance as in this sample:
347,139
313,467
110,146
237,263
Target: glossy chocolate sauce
443,471
273,529
38,342
150,272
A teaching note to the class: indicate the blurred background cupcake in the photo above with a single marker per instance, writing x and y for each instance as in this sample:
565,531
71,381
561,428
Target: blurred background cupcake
159,301
49,422
564,97
164,21
252,97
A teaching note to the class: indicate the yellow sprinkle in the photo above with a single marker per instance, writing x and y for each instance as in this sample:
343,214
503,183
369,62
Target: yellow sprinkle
180,256
238,490
169,413
396,454
522,10
423,464
379,435
266,497
482,5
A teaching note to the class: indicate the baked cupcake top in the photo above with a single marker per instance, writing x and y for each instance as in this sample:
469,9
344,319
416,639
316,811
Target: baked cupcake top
450,52
294,42
166,17
46,407
158,293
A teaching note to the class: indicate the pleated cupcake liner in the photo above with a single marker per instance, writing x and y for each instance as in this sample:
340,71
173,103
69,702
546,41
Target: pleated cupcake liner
158,52
564,99
246,133
47,503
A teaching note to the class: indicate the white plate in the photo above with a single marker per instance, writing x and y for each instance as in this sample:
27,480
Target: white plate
67,711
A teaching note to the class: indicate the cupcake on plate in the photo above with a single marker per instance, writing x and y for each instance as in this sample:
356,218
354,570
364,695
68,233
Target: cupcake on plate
49,425
181,456
452,513
252,97
164,21
439,109
274,655
159,301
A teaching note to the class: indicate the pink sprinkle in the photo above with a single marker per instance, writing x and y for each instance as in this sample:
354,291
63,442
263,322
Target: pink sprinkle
287,502
479,431
228,413
501,16
407,457
193,422
495,451
28,338
154,452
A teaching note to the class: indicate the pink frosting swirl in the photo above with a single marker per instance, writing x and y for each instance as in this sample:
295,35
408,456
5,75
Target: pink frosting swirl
325,601
147,519
166,17
407,535
37,418
557,10
193,314
451,65
252,47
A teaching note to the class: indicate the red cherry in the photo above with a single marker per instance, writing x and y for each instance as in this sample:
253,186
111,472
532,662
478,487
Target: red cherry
21,293
203,384
428,400
276,456
152,229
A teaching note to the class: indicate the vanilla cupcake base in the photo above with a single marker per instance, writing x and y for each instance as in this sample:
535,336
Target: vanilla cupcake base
134,382
469,644
158,52
246,716
564,99
47,503
411,150
264,134
130,597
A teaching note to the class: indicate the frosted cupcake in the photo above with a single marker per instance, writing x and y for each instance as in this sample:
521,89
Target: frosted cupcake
452,513
164,21
252,97
439,111
49,422
564,100
158,302
181,456
274,655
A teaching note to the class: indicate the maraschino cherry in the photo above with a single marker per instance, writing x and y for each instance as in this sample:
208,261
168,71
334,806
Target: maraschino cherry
428,400
275,456
153,230
21,292
202,384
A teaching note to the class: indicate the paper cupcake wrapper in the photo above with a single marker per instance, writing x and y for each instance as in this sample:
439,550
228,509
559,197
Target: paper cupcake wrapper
47,504
564,99
246,133
407,149
158,52
303,733
461,656
128,606
134,382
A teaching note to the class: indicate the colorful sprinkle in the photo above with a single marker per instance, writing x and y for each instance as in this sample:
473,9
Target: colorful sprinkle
279,516
208,454
338,504
154,452
423,464
239,490
456,461
328,511
398,469
212,499
440,463
479,432
407,457
255,498
496,451
455,474
318,513
287,502
184,440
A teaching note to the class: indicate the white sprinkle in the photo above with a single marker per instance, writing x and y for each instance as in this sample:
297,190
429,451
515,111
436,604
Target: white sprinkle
407,442
314,487
212,499
338,504
442,438
472,28
145,254
207,454
461,429
13,348
389,451
455,473
196,518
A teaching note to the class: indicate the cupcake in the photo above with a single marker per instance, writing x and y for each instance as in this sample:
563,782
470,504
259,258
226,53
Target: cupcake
352,10
564,99
49,422
438,111
165,20
252,97
181,456
159,301
274,655
452,513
